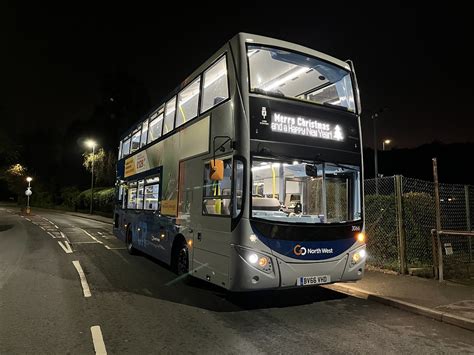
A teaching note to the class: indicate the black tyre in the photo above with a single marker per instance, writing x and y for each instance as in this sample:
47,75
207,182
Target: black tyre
181,259
131,250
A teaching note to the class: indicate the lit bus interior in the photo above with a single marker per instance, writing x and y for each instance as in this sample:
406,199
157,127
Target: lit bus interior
297,193
277,72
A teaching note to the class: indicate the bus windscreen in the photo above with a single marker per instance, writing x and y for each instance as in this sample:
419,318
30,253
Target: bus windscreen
298,192
280,73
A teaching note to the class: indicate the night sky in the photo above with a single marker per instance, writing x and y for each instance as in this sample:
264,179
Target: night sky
413,60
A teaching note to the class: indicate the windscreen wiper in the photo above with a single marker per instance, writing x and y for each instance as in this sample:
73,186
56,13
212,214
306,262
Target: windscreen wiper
319,161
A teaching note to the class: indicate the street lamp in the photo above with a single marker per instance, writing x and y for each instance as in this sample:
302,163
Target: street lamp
28,194
92,144
387,142
374,117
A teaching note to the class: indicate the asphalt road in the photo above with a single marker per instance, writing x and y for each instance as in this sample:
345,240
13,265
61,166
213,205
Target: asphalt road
137,306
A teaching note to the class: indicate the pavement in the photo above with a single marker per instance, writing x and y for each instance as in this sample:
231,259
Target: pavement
444,301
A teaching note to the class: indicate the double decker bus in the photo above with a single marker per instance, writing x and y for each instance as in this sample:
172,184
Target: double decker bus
249,174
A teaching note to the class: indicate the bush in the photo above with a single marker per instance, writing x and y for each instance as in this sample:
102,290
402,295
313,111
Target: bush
69,197
382,229
419,219
104,198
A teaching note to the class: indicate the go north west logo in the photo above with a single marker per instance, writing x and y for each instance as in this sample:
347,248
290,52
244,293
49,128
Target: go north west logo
301,251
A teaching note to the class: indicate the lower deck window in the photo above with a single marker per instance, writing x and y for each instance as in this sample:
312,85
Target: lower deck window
151,196
143,194
217,194
140,195
132,198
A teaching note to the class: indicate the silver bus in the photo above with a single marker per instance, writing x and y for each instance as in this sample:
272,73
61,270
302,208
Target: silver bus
249,174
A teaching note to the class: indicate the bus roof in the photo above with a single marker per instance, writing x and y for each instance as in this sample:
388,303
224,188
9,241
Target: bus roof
257,39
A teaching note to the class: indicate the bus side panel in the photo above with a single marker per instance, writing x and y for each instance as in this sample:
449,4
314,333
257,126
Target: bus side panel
158,232
211,267
119,226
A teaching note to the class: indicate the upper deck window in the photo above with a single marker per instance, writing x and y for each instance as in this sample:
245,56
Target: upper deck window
188,100
144,133
215,85
126,147
276,72
156,123
169,115
135,141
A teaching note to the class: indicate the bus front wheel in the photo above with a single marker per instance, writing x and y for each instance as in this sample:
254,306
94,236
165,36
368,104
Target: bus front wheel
181,259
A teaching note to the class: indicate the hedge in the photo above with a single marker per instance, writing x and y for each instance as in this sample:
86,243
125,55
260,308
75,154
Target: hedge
382,229
104,198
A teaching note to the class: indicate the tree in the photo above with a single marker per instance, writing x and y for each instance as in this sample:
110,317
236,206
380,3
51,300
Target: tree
104,166
15,176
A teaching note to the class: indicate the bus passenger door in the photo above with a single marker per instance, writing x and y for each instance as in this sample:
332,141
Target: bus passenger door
213,235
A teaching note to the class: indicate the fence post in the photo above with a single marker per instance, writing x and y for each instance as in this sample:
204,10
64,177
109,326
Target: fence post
436,257
402,253
468,219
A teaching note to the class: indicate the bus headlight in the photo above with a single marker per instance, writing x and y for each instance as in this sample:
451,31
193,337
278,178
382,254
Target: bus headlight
358,256
253,258
259,261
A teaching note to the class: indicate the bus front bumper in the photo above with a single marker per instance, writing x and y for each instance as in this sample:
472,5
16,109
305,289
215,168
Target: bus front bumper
245,276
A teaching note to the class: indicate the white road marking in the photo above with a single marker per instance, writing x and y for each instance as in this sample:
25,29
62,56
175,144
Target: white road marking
28,219
42,228
121,248
86,243
90,235
99,233
82,276
63,235
98,340
51,234
50,221
66,247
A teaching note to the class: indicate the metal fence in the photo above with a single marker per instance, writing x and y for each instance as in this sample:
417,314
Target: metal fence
400,214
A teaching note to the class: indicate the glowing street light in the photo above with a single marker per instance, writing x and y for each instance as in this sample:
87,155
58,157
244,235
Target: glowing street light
387,142
92,144
28,193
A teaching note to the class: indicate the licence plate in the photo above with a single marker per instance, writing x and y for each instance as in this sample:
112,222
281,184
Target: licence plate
313,280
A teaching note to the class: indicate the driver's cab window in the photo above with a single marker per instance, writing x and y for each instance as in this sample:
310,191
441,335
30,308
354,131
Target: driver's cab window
217,193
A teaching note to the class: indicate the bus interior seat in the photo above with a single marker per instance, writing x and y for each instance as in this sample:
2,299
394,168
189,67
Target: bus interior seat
218,99
209,207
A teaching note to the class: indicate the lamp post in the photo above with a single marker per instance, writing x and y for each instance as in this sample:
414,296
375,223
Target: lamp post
387,142
28,193
92,144
374,117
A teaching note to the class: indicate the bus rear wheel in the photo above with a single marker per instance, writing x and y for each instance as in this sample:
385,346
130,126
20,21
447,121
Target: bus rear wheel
131,250
181,259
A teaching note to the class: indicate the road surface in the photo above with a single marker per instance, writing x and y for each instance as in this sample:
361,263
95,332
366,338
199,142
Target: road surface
67,286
